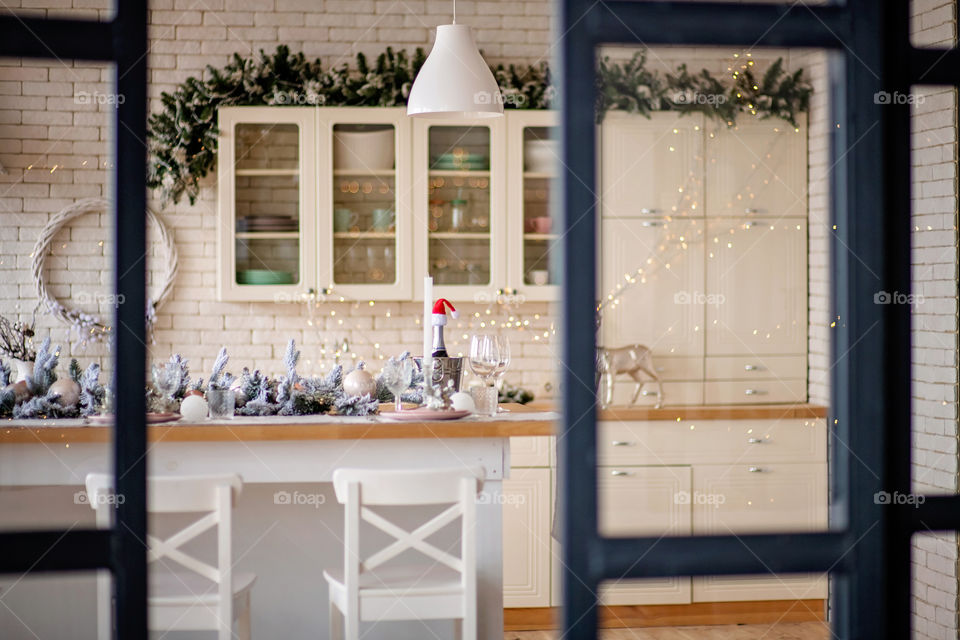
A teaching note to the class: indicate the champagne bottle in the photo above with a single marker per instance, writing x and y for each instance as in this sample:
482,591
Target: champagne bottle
439,320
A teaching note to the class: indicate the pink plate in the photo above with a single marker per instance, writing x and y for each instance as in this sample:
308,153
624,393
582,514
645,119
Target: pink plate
423,414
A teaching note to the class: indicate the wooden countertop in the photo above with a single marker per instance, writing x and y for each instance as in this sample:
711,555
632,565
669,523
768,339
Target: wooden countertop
534,419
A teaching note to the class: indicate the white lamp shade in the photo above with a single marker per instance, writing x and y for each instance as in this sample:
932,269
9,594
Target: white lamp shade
455,82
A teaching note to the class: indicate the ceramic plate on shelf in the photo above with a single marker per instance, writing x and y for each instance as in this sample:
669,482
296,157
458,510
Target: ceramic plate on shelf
423,414
264,276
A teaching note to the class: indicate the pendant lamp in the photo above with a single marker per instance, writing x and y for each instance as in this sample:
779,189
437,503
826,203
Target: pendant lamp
455,82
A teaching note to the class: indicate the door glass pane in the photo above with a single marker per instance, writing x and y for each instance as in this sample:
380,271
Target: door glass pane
267,204
459,220
364,204
540,157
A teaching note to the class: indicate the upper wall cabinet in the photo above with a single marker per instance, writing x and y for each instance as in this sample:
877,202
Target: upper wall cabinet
651,166
268,202
756,168
459,199
365,217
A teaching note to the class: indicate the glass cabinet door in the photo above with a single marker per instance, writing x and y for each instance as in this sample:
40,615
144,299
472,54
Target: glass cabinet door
364,208
533,164
266,211
460,200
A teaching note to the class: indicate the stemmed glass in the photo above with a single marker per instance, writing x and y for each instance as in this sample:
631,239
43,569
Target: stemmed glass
397,376
484,361
503,343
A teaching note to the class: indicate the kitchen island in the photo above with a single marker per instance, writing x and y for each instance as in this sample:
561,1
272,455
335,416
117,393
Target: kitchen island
295,457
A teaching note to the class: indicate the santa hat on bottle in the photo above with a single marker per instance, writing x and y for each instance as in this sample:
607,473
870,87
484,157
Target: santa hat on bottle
440,312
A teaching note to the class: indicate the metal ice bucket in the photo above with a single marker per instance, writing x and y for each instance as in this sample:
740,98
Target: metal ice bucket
444,369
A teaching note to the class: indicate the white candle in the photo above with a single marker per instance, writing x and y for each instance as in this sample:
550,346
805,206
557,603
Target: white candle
427,315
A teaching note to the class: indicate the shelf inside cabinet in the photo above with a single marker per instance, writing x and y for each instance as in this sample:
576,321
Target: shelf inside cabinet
372,235
267,172
538,175
460,235
365,172
540,236
268,235
459,173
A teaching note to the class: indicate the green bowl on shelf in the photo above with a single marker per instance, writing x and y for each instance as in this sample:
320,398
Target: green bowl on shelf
264,276
460,162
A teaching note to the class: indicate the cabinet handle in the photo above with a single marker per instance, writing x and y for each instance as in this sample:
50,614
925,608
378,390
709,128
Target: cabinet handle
752,210
755,440
646,210
618,473
622,443
651,223
646,393
752,224
754,392
751,367
755,470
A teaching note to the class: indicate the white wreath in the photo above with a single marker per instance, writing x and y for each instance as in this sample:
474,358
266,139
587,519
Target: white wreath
88,325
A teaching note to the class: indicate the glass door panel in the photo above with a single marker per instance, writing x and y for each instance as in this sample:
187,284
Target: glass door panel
540,154
460,213
267,204
364,204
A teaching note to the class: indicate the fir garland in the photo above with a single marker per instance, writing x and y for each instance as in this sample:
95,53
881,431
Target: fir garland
183,135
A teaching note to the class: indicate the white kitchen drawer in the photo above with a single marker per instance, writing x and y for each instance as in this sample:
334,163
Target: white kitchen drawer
674,393
530,451
712,441
756,367
743,498
754,391
678,368
644,501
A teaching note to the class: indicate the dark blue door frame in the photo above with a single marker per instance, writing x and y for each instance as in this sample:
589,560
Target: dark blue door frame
867,549
123,42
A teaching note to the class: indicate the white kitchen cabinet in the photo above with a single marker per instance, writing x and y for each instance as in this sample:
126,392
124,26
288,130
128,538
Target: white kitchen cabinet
756,275
651,166
756,168
532,238
267,222
664,308
459,199
644,501
314,199
760,498
527,501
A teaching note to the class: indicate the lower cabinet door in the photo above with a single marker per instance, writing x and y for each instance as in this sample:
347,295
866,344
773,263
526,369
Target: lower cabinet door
759,498
526,538
649,501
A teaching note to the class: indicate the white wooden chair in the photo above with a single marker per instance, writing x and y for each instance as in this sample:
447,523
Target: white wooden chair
368,589
202,597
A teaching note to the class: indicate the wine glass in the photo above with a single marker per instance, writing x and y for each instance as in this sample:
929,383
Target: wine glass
484,360
397,376
503,344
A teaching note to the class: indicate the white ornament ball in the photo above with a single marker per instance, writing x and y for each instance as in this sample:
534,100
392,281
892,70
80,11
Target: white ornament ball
359,382
463,401
193,408
68,390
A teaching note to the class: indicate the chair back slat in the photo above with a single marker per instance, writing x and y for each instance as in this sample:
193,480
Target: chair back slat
405,486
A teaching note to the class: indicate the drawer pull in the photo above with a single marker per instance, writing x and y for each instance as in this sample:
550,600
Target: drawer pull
648,211
618,473
622,443
755,440
755,469
651,223
752,210
752,367
752,224
754,392
646,392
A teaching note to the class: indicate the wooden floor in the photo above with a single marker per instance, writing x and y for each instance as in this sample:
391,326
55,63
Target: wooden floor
782,631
